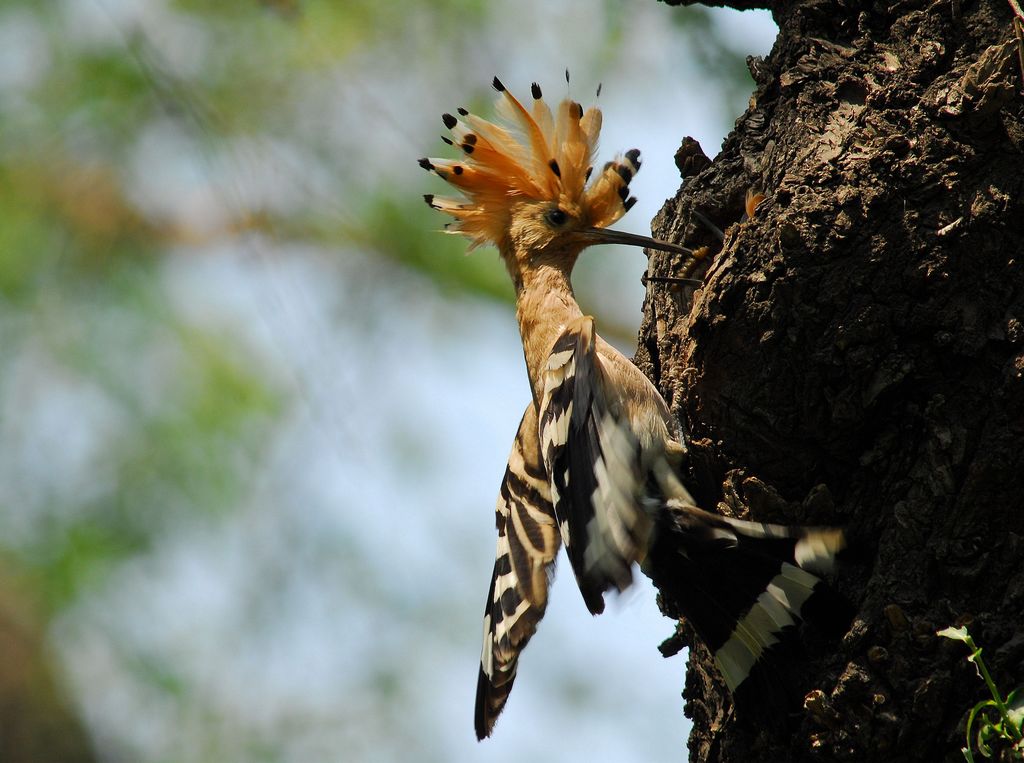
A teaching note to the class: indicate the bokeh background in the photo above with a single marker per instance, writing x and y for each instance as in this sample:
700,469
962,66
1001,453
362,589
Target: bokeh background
254,409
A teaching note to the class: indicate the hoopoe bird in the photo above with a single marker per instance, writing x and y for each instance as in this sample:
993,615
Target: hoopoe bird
594,465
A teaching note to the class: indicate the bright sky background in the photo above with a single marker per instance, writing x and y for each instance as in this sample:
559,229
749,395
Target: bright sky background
337,616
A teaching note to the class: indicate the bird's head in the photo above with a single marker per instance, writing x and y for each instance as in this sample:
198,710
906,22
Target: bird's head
529,185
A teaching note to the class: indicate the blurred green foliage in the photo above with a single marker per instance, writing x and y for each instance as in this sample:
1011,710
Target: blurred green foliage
715,53
81,298
185,414
391,229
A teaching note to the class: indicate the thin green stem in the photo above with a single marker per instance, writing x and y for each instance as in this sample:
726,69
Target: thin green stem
1003,711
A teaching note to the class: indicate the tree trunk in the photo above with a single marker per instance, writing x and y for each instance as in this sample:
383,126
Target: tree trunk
856,358
36,723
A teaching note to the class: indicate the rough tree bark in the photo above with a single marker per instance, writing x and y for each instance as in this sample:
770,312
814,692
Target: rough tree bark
856,358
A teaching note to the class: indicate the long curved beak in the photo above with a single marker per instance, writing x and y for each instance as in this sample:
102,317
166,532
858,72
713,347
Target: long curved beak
606,236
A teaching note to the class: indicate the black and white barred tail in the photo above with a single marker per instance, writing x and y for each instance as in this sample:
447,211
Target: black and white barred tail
740,584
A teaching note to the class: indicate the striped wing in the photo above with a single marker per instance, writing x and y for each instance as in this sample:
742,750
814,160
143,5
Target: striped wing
594,460
527,545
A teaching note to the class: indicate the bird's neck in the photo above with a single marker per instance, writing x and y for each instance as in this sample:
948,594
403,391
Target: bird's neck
545,304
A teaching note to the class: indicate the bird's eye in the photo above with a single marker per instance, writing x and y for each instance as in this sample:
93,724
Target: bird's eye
556,218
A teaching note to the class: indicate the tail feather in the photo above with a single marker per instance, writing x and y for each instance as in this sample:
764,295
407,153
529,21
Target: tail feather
739,584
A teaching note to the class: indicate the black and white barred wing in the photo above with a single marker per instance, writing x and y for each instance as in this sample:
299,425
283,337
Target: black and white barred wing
527,545
593,459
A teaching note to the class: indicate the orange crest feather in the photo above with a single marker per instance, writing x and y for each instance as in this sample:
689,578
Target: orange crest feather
532,155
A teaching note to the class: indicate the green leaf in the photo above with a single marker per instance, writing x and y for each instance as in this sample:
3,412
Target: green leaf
985,733
978,708
1015,704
